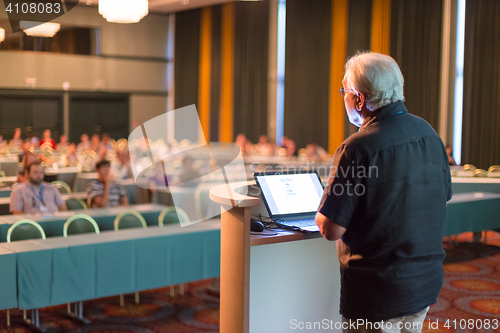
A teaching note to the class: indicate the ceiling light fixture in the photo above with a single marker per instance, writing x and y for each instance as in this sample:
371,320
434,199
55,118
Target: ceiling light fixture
39,29
123,11
2,35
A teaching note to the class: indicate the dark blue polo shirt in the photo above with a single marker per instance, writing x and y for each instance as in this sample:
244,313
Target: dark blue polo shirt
388,187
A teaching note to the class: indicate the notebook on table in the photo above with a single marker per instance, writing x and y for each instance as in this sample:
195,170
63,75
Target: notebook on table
291,197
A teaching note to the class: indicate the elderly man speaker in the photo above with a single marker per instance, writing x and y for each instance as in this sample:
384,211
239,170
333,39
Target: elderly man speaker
385,203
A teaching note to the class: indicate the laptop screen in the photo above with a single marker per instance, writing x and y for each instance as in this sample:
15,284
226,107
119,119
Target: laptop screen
287,193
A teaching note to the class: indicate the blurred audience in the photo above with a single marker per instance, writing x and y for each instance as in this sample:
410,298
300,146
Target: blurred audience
290,147
26,148
189,176
315,152
21,177
28,158
263,141
241,139
32,139
16,140
104,191
70,158
105,141
120,167
84,143
34,195
95,143
47,140
63,143
102,153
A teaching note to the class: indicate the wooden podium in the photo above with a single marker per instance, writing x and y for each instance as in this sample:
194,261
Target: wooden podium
272,283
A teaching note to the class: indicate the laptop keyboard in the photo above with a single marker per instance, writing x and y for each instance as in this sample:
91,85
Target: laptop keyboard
299,223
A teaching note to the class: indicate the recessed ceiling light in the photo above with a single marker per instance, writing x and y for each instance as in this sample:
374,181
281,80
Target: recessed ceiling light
184,2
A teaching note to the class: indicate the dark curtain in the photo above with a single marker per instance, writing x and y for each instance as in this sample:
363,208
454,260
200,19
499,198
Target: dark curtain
416,46
250,68
358,37
307,61
216,68
186,55
481,108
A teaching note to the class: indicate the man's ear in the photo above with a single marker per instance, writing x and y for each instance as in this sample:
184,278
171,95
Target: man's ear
360,101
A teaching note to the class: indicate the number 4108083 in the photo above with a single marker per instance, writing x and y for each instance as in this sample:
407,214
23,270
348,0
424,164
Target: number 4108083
472,324
34,8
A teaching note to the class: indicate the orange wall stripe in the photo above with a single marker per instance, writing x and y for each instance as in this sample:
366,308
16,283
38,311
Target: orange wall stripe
205,71
337,61
227,74
381,26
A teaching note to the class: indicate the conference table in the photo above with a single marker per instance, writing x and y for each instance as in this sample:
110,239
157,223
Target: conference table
473,212
89,266
105,217
475,184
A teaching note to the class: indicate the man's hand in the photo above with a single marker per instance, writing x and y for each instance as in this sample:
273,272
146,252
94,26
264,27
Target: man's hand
329,229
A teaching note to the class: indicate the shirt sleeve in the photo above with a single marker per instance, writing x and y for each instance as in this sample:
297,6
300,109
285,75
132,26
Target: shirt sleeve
16,200
346,187
121,190
58,199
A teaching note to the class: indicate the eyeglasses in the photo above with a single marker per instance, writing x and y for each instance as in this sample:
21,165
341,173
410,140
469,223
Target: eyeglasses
343,91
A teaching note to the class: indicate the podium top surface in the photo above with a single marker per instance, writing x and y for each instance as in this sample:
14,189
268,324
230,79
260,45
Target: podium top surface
234,194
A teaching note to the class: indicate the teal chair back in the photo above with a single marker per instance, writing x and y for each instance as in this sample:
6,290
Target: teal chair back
172,215
75,204
130,219
62,186
23,230
80,224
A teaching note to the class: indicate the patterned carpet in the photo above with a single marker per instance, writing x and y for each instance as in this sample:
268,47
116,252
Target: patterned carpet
469,301
470,298
196,311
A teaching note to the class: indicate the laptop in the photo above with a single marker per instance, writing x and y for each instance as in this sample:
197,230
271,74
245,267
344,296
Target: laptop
291,197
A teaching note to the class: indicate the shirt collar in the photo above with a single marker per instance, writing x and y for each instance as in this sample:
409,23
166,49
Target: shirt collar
386,111
31,185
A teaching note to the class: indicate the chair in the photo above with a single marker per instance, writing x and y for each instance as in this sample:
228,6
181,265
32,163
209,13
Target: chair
46,145
62,186
47,150
127,220
469,167
480,173
172,215
89,159
121,143
79,224
75,204
24,230
494,169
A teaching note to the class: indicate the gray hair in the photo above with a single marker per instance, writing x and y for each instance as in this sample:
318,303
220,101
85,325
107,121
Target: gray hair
377,76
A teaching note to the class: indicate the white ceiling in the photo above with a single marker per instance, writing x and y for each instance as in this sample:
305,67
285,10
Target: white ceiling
168,6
